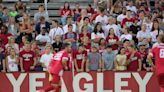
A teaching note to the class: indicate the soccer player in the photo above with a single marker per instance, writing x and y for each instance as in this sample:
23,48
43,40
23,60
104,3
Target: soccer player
158,53
58,64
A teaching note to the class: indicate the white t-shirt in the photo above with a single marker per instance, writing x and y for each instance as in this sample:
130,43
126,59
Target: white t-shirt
97,35
149,26
54,32
121,17
13,66
46,59
127,36
65,28
132,8
43,38
115,27
102,19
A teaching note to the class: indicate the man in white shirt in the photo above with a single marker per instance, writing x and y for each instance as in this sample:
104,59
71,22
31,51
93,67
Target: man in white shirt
121,16
69,21
131,7
42,39
102,18
111,25
56,30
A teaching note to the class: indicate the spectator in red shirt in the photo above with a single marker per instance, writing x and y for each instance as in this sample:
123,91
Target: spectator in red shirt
27,58
84,33
79,57
76,11
113,40
64,12
90,10
135,63
4,35
128,21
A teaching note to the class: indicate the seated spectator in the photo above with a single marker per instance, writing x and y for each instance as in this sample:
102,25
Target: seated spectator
90,10
113,40
128,20
161,22
58,44
97,33
41,24
86,21
126,35
13,27
76,11
4,35
2,60
143,35
87,44
149,23
35,48
116,8
56,30
69,21
70,36
102,18
135,63
13,12
24,40
19,5
7,50
5,16
46,58
121,60
65,12
27,58
26,27
19,17
108,58
84,33
12,61
42,39
41,12
94,61
81,18
102,45
11,42
1,11
121,16
79,58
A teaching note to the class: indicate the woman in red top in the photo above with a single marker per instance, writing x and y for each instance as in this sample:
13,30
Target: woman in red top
26,27
64,12
84,33
113,40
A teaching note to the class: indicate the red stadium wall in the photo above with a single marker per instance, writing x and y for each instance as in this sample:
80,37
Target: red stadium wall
83,82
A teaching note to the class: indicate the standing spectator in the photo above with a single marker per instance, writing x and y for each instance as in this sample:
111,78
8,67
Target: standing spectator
131,6
41,12
71,36
4,35
24,40
42,38
121,60
149,23
5,16
108,58
11,42
46,58
58,44
12,61
69,21
56,30
26,27
126,35
121,16
2,60
76,11
1,11
102,18
81,18
84,33
94,61
90,10
113,40
128,21
102,45
27,58
135,63
13,27
80,57
41,24
65,12
143,35
19,5
97,33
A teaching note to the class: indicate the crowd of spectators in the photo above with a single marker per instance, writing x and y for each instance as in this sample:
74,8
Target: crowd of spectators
117,37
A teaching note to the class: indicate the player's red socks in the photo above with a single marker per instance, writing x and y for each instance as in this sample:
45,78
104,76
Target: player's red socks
49,88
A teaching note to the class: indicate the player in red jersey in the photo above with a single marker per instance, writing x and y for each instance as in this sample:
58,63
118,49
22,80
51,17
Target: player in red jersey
58,64
158,53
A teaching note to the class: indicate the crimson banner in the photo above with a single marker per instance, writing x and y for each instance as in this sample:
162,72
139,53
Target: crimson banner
82,82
